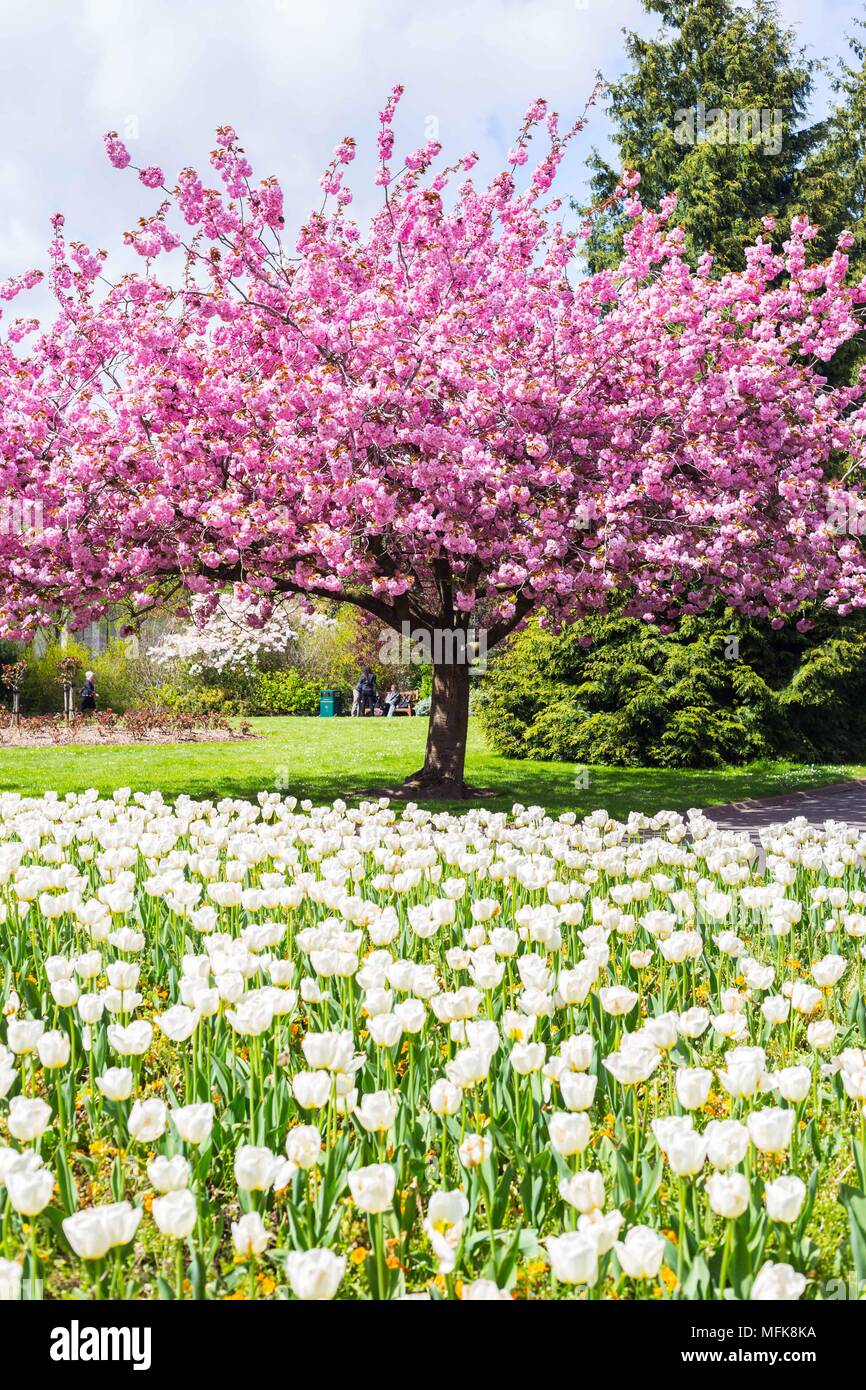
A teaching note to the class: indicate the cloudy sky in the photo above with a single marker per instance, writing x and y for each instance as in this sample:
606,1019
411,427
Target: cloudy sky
293,76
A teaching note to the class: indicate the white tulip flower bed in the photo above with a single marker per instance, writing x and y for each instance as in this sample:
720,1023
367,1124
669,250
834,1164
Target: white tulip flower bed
282,1051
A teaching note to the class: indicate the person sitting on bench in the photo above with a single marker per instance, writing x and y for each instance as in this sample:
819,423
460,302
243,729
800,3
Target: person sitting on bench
392,700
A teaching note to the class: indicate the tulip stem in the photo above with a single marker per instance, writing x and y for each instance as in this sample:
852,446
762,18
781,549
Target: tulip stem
517,1116
34,1256
118,1274
61,1119
380,1255
7,1217
488,1202
726,1255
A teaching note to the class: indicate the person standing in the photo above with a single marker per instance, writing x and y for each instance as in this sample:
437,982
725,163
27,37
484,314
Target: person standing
368,694
88,694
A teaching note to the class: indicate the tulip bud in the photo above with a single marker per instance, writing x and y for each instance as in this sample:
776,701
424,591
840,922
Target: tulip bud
28,1119
314,1275
147,1120
175,1214
53,1049
30,1190
304,1145
777,1283
785,1197
641,1253
249,1235
116,1083
573,1258
569,1132
372,1188
728,1194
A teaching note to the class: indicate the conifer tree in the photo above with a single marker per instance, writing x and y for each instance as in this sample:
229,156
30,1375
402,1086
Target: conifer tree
713,107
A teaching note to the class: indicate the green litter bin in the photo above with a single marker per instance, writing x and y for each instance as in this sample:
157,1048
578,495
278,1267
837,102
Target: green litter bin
329,703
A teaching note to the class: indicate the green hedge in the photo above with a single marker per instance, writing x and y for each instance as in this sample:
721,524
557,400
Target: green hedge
636,696
283,692
197,699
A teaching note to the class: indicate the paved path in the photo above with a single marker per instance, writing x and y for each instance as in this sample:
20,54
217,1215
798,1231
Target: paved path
843,801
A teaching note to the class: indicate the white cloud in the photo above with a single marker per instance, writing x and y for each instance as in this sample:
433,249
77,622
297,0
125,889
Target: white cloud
293,76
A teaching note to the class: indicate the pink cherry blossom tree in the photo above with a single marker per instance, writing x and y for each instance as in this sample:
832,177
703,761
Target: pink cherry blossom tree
436,418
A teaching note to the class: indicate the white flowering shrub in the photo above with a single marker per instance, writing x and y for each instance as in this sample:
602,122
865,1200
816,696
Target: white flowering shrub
231,638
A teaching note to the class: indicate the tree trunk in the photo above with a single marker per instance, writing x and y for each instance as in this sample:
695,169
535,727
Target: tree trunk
445,757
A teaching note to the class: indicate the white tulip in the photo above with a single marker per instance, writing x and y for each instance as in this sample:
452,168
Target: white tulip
314,1275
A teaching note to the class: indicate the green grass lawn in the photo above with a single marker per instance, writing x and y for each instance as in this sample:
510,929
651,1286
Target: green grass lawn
353,758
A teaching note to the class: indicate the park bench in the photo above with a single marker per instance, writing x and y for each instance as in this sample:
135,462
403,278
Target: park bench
406,705
407,702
